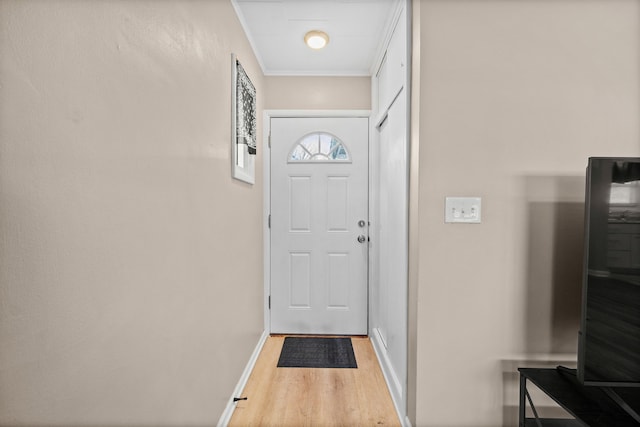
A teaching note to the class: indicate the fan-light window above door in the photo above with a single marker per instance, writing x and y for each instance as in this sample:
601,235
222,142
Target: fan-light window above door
319,147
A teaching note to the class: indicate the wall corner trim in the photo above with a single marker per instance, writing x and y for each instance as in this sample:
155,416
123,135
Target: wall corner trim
389,376
242,382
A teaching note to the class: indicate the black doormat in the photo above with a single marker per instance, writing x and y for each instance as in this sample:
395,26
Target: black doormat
314,352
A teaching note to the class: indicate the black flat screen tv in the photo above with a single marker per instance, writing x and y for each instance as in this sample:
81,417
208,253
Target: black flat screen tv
609,337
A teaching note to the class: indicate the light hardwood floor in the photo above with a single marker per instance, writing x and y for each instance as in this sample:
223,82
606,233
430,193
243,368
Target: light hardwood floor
315,397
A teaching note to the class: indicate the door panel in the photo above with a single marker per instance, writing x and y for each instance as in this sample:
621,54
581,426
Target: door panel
337,203
319,194
300,202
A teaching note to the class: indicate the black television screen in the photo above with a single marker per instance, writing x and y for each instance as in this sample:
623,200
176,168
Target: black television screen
609,339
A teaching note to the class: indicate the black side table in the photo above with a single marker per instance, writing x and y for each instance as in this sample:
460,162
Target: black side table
590,406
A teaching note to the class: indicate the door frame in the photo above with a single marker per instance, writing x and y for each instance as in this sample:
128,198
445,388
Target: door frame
266,176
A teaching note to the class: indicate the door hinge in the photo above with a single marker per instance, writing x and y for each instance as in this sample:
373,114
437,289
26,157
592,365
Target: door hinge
269,302
269,221
269,139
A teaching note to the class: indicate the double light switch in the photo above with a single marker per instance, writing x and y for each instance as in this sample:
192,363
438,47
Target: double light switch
463,209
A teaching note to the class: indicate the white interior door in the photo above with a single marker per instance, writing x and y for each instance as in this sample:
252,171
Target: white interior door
319,225
390,323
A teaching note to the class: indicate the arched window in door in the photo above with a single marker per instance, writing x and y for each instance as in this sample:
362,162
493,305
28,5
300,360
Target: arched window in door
319,147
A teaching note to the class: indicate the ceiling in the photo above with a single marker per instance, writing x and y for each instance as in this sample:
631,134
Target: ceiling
356,30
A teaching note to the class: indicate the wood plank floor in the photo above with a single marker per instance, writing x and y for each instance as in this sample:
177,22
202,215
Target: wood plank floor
315,397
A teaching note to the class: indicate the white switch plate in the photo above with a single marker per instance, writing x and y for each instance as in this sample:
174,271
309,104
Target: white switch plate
463,209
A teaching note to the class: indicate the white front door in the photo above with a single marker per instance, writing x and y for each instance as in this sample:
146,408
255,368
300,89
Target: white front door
319,223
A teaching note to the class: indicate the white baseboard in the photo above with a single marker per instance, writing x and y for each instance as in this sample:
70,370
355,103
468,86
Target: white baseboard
390,377
242,382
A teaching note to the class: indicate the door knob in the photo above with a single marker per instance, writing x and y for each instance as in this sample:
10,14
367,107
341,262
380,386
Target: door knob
361,238
361,223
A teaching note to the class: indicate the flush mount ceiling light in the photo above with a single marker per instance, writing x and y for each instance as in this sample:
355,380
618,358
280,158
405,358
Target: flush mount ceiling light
316,39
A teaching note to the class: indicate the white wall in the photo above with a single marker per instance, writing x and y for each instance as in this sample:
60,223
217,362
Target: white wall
130,261
514,96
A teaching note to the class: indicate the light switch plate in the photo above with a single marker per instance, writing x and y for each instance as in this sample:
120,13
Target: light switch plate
463,209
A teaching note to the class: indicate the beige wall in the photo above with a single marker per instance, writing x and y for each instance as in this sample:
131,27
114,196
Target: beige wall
514,96
317,93
130,261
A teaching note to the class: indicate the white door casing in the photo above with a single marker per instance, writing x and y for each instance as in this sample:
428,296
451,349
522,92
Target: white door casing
318,265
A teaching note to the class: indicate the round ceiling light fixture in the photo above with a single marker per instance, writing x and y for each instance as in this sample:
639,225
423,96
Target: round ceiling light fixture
316,39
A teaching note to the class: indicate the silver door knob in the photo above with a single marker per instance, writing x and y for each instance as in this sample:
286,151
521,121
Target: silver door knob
361,238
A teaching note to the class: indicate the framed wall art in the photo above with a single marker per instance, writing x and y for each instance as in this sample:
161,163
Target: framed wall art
243,124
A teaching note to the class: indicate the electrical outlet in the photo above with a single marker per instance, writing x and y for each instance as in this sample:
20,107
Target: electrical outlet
463,209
